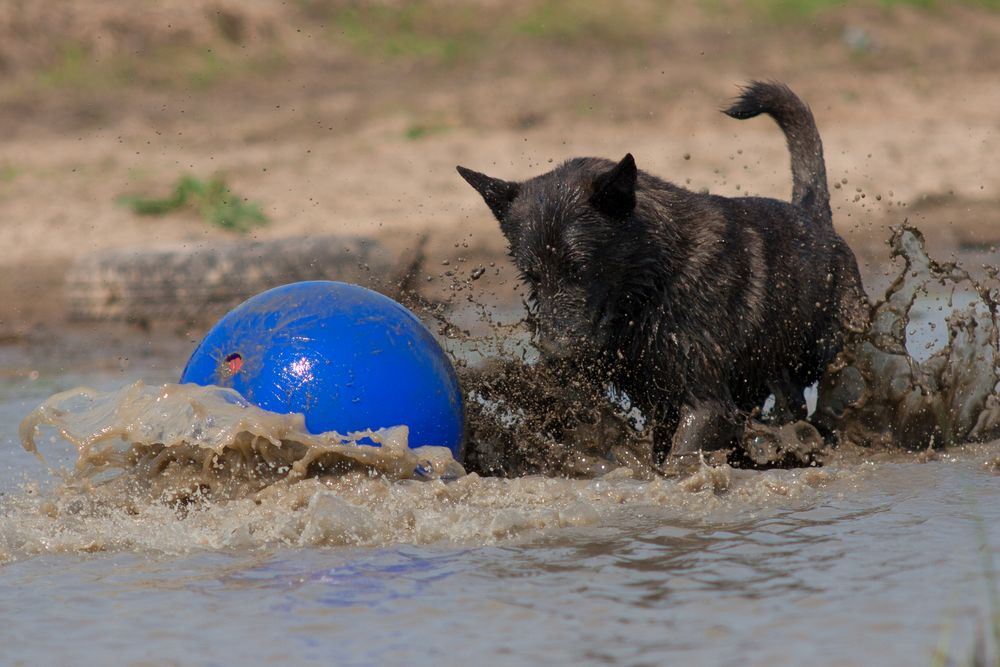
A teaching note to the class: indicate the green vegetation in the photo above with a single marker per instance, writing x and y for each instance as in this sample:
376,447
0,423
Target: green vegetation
427,32
171,66
424,30
8,173
212,199
419,130
448,32
69,68
207,69
417,30
558,20
785,10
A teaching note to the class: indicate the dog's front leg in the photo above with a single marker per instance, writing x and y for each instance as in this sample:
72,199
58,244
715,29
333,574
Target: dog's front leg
706,425
789,399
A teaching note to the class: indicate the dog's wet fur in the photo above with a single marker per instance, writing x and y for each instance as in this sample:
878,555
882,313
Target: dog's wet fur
696,306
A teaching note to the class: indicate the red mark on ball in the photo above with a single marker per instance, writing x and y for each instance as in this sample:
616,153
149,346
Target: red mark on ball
235,362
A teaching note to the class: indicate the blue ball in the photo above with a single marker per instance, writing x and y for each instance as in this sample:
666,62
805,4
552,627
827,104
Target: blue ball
346,357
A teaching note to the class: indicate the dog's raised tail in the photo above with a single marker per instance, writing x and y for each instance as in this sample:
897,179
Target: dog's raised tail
809,188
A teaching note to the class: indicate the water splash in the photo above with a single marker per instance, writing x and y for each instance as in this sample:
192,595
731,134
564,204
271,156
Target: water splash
212,442
181,467
534,419
878,394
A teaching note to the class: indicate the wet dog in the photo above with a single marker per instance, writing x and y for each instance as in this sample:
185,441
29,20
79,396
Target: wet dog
696,306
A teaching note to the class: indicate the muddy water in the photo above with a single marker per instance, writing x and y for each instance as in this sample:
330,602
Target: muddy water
857,563
224,535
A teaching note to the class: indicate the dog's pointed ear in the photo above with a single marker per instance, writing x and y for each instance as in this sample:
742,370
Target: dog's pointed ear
498,194
614,190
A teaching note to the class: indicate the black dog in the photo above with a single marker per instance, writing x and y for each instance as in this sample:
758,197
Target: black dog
696,306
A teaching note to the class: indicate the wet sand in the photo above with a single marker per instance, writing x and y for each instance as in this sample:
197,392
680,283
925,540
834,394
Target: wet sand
335,140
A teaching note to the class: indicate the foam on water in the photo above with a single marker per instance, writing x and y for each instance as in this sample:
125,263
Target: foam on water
183,467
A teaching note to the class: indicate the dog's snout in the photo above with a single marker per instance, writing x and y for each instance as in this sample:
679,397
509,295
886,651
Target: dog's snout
561,338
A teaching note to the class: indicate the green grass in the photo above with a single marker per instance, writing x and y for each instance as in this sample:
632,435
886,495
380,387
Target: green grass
72,67
791,10
207,70
8,173
450,32
610,23
413,30
425,31
420,129
167,66
212,199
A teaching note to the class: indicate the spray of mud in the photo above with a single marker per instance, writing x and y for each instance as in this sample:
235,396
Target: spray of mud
210,441
180,467
876,394
534,419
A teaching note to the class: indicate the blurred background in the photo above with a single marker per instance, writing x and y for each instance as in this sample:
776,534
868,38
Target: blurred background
128,127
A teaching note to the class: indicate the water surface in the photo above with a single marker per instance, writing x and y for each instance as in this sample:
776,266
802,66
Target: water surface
859,563
876,558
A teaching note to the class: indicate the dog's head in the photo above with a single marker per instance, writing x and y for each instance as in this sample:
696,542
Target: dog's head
571,235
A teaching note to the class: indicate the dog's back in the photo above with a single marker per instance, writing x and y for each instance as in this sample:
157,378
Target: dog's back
753,295
761,292
837,301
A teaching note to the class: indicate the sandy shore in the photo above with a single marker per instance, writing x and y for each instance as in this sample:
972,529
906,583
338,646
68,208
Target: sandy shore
367,145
